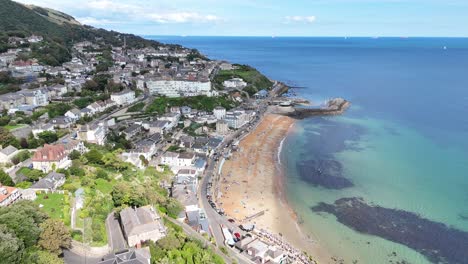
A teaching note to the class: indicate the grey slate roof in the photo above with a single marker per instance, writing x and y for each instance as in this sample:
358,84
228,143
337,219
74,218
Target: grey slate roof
48,182
128,256
9,150
139,220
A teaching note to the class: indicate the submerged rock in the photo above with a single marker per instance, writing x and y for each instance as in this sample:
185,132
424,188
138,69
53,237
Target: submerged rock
437,241
325,173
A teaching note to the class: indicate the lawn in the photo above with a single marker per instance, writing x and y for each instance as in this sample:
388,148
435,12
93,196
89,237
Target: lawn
9,127
54,204
23,170
104,186
136,108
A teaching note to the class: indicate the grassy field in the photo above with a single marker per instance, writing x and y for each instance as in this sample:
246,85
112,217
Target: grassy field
103,186
54,204
14,127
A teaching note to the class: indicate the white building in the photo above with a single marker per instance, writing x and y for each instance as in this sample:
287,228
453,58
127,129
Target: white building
237,119
222,127
34,39
8,195
173,118
177,88
219,112
178,160
123,98
74,114
236,83
95,134
36,97
51,157
42,128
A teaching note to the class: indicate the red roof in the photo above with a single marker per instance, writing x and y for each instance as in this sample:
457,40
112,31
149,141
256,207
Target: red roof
22,63
50,153
6,191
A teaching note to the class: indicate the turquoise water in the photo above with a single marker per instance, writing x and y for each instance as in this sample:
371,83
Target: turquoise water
403,144
395,169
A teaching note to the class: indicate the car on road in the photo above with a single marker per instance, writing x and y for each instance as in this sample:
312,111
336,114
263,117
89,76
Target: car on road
230,220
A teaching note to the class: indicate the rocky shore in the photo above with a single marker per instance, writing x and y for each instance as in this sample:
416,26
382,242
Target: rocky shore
335,106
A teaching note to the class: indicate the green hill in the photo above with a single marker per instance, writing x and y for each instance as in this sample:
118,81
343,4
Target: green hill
59,31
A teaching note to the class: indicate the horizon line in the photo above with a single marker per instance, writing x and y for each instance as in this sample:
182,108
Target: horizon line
295,36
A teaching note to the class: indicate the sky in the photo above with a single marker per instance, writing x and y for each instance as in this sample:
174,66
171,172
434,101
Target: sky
399,18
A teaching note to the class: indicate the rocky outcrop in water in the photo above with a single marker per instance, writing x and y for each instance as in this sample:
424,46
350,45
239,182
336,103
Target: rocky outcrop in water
437,241
336,106
324,173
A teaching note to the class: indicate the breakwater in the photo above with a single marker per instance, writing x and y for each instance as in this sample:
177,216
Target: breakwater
335,106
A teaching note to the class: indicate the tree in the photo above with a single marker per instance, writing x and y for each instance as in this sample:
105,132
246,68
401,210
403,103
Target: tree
24,143
34,175
21,156
169,242
83,102
5,179
23,219
11,248
77,171
90,85
55,236
75,154
121,194
7,138
57,109
44,257
48,136
94,156
173,207
102,174
111,160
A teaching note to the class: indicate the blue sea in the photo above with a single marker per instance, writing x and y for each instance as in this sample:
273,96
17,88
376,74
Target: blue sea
403,143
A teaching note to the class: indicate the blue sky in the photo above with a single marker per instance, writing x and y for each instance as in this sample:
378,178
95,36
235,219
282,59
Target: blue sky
274,17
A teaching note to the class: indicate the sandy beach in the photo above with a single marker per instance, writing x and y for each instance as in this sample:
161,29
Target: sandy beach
251,183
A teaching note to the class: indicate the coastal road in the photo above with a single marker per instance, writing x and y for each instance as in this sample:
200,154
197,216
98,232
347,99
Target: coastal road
214,218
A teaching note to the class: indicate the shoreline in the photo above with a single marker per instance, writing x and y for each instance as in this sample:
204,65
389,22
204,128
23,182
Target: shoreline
258,163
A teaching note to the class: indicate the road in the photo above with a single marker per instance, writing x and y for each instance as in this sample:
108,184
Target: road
115,236
214,218
73,258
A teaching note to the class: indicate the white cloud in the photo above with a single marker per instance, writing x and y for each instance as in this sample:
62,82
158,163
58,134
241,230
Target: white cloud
95,21
183,17
300,19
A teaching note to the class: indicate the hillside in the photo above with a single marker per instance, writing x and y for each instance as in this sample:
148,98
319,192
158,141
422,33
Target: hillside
59,31
54,15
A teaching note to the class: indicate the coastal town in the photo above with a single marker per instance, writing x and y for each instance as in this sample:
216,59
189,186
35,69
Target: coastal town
120,142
